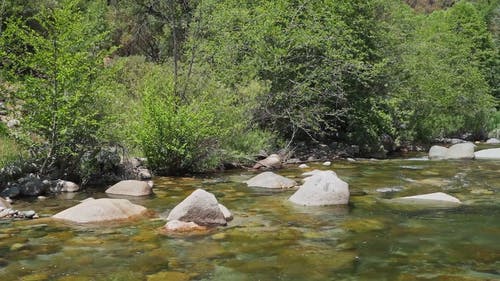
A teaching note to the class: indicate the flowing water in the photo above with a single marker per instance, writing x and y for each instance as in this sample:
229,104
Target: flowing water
272,239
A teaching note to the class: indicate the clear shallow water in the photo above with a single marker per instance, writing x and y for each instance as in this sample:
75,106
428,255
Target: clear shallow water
272,239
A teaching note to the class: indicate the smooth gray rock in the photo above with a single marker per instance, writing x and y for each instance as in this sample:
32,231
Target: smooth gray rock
488,154
438,152
322,188
493,141
130,188
270,180
99,210
461,151
200,207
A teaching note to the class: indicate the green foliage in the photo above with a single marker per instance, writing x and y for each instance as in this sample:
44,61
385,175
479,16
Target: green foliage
56,56
441,84
196,134
319,58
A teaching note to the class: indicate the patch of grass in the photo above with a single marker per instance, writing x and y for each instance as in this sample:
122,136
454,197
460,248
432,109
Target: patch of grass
9,151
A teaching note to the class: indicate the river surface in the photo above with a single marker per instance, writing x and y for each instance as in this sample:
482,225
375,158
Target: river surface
273,239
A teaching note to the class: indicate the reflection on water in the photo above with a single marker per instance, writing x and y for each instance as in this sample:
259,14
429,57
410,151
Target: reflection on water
272,239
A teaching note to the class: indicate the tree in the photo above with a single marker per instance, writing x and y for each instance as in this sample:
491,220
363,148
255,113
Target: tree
319,58
56,57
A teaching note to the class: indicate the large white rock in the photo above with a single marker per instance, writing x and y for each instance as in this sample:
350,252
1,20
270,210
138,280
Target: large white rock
99,210
322,188
130,188
200,207
437,196
270,180
493,141
438,152
461,151
488,154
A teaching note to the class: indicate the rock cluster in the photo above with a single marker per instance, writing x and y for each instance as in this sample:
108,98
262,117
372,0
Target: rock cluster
463,151
7,212
456,151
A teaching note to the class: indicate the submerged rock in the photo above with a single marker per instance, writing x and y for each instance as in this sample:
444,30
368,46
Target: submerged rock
303,166
270,180
322,188
430,197
200,207
488,154
130,188
99,210
182,226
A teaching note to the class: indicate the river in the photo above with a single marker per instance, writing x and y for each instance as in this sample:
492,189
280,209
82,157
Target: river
273,239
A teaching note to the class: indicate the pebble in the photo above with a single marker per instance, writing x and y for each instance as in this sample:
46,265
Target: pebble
303,166
327,163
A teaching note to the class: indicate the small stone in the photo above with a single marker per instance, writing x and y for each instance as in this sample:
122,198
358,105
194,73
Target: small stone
28,214
303,166
327,163
41,198
225,211
351,160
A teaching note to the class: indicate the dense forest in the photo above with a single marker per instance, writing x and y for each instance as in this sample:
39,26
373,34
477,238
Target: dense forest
191,85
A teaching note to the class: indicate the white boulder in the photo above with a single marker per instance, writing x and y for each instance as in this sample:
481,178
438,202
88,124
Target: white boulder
99,210
130,188
270,180
423,198
321,188
461,151
488,154
200,207
438,152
